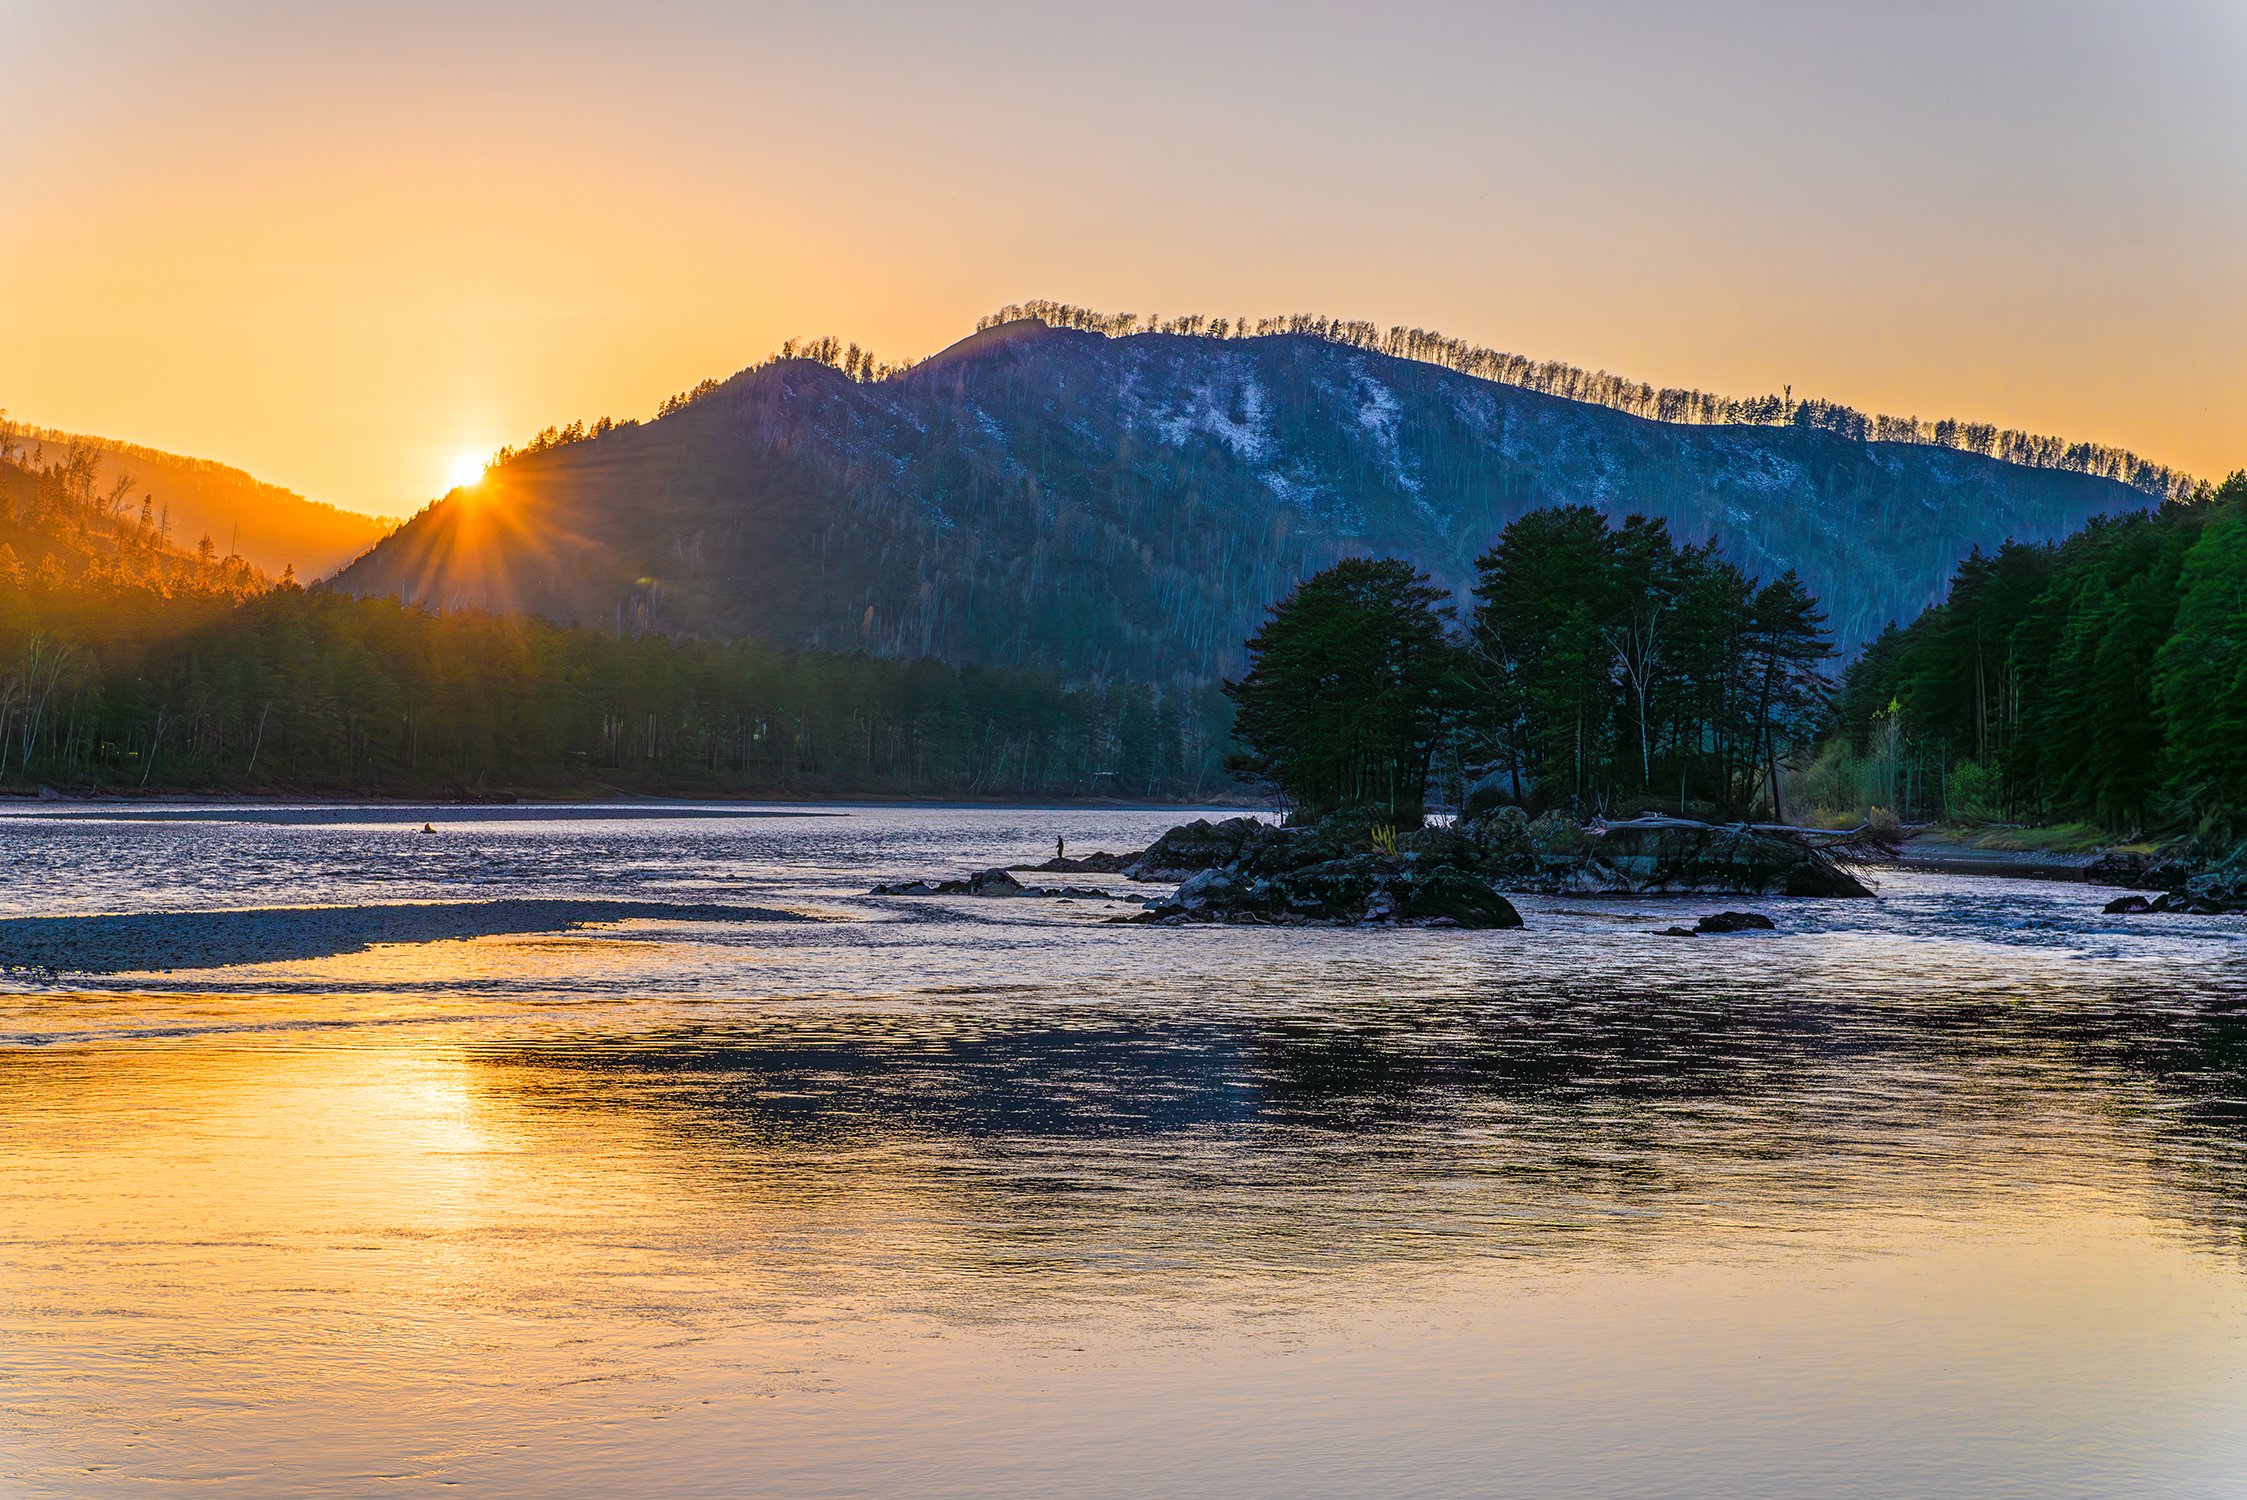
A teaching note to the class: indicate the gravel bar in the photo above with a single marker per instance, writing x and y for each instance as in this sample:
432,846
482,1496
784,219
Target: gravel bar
137,942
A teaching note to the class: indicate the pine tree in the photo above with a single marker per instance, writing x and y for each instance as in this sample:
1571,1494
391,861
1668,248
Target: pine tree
1348,688
1545,599
1786,643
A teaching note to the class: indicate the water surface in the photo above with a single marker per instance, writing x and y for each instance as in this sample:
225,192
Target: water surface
1941,1193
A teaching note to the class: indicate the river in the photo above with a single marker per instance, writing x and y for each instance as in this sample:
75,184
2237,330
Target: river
1941,1193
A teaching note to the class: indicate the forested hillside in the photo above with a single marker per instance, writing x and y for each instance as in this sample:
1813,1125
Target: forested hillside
127,664
2103,679
61,530
190,498
1096,505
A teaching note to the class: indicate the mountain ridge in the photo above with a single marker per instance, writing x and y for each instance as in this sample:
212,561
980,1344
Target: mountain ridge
1555,377
1128,505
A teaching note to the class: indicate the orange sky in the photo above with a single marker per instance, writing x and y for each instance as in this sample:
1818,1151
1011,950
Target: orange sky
340,249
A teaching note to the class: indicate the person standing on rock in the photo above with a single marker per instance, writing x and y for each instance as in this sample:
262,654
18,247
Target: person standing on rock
1060,847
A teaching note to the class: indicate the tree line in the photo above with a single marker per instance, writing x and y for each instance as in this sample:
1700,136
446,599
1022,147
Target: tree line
2102,678
859,364
114,686
1601,669
1668,404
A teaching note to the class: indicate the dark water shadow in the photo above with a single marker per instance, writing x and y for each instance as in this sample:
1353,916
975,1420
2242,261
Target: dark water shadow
1568,1116
162,941
403,813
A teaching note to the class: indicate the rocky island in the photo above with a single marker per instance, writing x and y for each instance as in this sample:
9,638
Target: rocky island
1349,870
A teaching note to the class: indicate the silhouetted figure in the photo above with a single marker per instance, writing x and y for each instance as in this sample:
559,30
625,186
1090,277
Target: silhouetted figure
1060,847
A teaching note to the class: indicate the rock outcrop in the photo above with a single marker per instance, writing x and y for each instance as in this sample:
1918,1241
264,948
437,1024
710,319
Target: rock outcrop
1321,876
1099,862
985,883
1349,870
1345,870
1190,848
1661,856
2203,879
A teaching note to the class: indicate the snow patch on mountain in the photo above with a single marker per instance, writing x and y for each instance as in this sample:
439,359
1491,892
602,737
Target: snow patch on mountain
1379,413
1207,408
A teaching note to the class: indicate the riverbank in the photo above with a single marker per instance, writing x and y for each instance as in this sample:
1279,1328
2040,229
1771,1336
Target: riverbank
1943,852
2059,853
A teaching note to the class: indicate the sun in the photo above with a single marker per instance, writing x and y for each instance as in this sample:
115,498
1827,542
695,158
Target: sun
467,469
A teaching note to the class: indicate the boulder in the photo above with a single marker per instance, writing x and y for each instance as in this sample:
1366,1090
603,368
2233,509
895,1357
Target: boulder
2220,879
1736,921
994,883
1210,887
2210,869
2203,902
1503,847
2112,868
2123,906
1191,847
1453,896
1501,828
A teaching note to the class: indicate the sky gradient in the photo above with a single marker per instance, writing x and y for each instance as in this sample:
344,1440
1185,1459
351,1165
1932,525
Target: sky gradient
342,246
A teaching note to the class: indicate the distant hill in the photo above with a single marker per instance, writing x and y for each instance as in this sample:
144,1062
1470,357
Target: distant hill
271,527
60,534
1051,497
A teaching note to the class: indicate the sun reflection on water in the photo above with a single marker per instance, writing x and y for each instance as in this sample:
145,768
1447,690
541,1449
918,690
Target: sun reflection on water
961,1199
